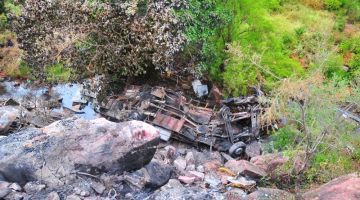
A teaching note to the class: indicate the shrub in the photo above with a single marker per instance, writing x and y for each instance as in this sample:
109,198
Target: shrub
114,38
333,4
3,22
300,31
58,72
334,68
340,22
352,10
12,7
314,127
205,29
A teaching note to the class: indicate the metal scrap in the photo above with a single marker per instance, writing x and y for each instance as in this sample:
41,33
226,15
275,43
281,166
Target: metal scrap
190,120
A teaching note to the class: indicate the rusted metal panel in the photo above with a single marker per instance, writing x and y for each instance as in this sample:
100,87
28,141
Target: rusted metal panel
168,122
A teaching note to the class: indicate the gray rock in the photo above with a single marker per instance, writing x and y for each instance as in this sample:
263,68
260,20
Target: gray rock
188,193
236,194
73,197
98,187
212,179
174,190
4,192
180,164
200,168
253,149
190,167
53,196
15,196
190,159
270,194
158,173
15,186
8,115
84,193
172,183
33,187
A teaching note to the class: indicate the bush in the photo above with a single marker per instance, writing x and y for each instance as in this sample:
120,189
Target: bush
206,22
101,36
355,68
12,7
352,10
3,22
340,23
333,4
58,73
314,127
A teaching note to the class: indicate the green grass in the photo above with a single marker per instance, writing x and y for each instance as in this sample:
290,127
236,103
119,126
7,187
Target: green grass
58,73
260,29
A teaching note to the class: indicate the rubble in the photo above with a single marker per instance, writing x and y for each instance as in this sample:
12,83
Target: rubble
53,196
98,187
236,194
270,194
81,158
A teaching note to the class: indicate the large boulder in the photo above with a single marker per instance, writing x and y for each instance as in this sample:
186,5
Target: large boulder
246,168
345,187
59,152
269,162
8,115
270,194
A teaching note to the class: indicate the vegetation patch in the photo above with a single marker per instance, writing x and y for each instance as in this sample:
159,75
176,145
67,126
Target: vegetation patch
58,73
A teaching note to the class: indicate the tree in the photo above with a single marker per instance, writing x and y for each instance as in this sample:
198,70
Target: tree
125,37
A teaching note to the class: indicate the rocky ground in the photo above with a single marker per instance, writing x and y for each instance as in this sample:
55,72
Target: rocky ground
68,153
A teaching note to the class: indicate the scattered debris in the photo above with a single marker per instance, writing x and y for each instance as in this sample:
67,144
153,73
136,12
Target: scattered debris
200,89
226,127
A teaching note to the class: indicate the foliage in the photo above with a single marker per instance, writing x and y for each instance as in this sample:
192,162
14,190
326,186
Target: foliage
352,9
58,72
326,142
3,22
333,4
114,37
205,28
13,7
257,31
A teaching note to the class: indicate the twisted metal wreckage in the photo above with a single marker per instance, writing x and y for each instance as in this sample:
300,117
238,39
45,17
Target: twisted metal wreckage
227,126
